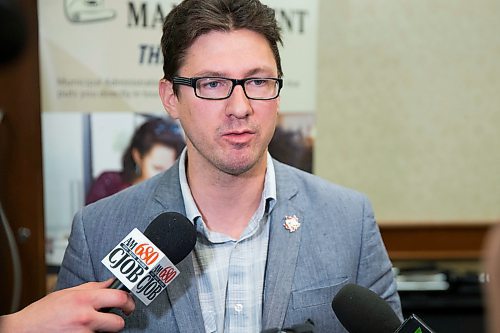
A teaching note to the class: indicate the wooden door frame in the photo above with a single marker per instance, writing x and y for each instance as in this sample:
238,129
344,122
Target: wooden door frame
21,177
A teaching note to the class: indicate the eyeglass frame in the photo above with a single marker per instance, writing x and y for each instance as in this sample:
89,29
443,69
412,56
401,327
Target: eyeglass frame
191,82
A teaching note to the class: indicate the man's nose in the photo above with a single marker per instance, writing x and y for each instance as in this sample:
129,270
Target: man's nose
238,104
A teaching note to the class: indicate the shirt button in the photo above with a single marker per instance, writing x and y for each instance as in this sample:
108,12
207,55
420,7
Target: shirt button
238,307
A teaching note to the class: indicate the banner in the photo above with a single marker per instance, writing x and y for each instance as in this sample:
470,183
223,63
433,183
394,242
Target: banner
105,55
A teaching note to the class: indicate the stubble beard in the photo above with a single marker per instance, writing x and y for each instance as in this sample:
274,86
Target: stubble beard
235,164
232,163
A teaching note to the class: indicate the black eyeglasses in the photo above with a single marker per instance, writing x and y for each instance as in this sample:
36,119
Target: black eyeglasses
216,88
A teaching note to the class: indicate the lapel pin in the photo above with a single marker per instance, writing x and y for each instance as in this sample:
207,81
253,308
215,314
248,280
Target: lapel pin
291,223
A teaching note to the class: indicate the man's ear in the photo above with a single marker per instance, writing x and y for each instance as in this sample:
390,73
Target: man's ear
168,98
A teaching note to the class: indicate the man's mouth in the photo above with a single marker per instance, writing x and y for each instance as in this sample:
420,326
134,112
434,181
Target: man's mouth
239,136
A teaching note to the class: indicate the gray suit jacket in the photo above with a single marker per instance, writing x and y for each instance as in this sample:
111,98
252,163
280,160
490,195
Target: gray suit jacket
338,243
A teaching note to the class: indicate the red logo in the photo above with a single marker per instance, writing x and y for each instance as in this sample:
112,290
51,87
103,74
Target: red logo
167,274
147,253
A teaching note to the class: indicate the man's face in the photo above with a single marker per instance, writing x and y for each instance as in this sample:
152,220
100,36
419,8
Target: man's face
232,134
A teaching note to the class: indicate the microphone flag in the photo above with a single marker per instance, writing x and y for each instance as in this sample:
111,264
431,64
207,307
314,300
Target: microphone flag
140,266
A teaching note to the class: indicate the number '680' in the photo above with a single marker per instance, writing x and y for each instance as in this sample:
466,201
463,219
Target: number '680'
147,253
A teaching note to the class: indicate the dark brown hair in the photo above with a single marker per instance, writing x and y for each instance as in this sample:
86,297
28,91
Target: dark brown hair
193,18
161,131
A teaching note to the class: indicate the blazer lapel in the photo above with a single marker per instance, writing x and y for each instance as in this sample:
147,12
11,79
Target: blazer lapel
183,291
282,252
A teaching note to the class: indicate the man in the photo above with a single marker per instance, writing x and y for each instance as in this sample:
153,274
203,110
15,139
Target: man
274,244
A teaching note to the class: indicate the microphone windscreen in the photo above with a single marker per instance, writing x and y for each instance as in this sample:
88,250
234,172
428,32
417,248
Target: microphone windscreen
361,310
173,234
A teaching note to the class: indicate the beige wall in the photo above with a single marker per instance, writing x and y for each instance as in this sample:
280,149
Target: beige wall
409,106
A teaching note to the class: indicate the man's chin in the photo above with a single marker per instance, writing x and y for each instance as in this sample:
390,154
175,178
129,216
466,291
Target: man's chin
236,169
239,166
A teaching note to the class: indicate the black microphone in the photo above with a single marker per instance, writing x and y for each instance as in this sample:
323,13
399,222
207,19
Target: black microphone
138,263
360,310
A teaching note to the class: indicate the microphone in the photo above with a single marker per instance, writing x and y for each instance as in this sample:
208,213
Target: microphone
360,310
144,264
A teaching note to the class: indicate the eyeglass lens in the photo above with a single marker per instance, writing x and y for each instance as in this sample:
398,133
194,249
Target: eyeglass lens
221,88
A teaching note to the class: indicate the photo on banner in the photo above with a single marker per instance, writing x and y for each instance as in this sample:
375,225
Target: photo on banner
100,64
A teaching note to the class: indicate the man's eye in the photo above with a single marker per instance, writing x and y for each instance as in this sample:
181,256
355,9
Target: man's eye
213,84
259,82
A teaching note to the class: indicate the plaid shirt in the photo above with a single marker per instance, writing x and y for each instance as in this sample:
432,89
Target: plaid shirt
229,272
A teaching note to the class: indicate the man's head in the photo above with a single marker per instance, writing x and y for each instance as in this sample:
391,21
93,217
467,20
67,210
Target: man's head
193,18
222,81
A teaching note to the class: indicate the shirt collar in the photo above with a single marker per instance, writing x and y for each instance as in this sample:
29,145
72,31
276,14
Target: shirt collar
192,212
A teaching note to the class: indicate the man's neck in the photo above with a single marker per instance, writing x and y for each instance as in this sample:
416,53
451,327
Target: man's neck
226,202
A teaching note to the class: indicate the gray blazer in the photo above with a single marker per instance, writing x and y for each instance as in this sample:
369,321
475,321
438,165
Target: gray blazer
338,243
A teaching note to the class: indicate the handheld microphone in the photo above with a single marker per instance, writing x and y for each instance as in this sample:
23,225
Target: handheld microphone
360,310
144,264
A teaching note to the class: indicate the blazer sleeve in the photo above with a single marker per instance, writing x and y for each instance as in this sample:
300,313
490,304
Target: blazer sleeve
375,268
76,267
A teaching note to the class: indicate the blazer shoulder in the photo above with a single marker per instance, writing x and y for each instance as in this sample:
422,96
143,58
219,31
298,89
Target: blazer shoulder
133,205
314,186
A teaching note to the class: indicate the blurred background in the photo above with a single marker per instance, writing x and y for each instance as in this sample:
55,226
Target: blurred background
396,99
